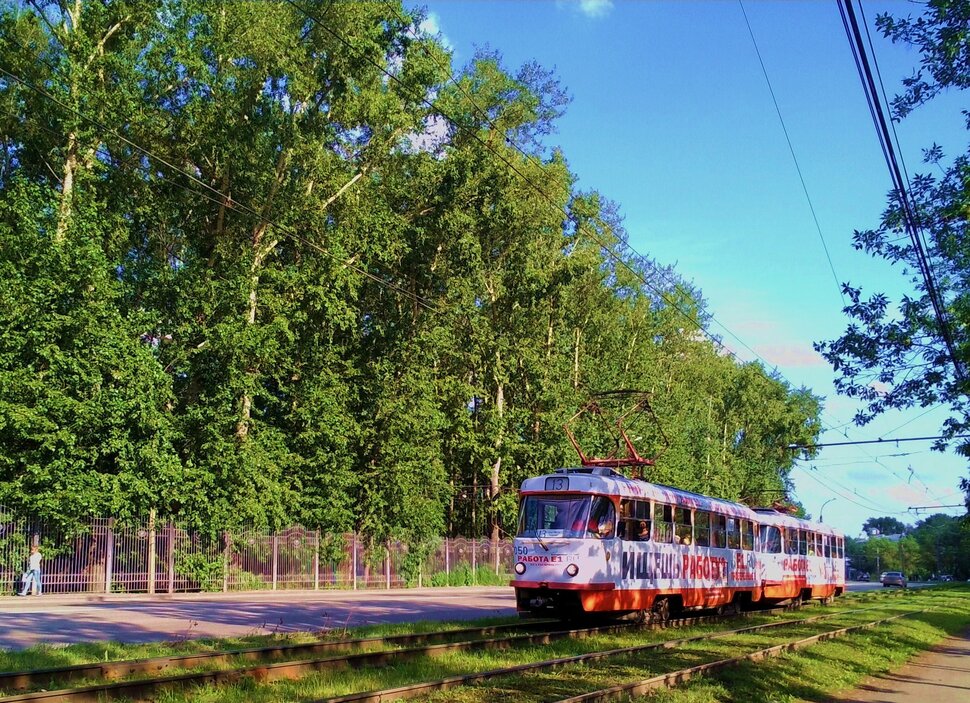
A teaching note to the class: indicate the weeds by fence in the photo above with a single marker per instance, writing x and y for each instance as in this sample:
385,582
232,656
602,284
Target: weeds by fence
106,557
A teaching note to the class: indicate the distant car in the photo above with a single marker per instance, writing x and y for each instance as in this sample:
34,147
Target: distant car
864,576
946,577
893,578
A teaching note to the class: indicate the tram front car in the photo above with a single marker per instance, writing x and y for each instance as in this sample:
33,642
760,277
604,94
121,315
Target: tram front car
564,557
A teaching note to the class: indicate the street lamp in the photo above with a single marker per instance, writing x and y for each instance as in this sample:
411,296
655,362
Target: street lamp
822,509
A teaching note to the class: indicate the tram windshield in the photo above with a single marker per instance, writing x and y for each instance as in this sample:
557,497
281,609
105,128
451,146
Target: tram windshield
575,516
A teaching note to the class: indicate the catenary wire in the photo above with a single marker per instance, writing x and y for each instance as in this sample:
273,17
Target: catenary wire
791,149
225,199
607,249
851,25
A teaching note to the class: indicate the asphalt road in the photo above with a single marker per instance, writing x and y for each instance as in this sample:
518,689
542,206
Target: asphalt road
58,620
65,619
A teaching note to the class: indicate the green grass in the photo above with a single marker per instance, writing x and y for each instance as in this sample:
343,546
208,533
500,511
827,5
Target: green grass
839,664
536,687
49,656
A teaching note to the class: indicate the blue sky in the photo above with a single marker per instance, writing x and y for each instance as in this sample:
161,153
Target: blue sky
671,118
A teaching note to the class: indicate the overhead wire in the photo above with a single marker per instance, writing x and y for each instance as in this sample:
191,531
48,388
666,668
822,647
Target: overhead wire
899,175
911,222
606,248
825,485
791,149
224,199
227,201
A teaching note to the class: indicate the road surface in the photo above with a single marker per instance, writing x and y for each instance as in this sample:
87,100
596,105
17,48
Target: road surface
58,619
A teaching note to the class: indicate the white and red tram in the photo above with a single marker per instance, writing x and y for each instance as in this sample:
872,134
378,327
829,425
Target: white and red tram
591,540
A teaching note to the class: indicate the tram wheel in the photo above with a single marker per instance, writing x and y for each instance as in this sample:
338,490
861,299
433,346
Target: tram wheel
661,610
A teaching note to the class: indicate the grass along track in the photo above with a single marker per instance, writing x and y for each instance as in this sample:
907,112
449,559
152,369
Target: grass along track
596,657
813,674
140,685
248,675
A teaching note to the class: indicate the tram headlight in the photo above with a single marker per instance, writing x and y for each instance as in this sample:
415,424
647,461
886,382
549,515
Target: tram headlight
520,568
572,570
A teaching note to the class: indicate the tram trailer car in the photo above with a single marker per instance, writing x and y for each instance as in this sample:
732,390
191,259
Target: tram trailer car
591,540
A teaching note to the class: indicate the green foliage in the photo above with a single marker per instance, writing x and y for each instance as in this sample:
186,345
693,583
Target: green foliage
242,580
310,304
465,575
884,526
201,569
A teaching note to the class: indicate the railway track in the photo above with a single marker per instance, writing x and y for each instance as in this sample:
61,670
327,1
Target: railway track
427,687
269,668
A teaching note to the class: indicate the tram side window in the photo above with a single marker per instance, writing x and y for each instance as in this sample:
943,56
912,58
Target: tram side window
791,541
602,517
804,540
718,530
733,533
770,539
747,535
840,545
818,545
702,528
635,526
682,526
827,545
812,551
663,523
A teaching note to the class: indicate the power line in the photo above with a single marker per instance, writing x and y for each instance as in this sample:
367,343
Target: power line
876,441
606,248
848,498
791,149
224,199
875,506
851,25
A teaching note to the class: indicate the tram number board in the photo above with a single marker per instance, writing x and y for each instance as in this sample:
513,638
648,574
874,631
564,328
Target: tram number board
557,483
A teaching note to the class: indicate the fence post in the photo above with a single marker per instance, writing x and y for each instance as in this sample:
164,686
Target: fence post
316,563
276,559
227,542
171,557
448,560
387,564
353,557
151,551
109,551
475,561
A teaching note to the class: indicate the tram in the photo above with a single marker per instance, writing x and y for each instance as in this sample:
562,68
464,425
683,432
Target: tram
591,540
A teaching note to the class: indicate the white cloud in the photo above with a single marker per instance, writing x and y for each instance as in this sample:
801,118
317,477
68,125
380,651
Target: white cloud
431,26
590,8
791,355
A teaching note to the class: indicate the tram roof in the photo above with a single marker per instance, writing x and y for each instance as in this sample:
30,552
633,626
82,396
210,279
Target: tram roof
773,517
608,481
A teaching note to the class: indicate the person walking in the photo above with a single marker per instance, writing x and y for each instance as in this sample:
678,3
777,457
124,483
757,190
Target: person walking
33,572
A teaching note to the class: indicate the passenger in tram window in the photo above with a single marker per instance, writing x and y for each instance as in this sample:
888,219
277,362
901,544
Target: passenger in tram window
811,545
792,542
643,533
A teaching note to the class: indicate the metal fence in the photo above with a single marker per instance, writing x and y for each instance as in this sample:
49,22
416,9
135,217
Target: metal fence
107,557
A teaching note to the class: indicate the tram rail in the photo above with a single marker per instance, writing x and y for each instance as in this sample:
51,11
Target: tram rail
270,667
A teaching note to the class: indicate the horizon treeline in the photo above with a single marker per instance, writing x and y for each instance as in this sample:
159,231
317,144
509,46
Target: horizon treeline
265,263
